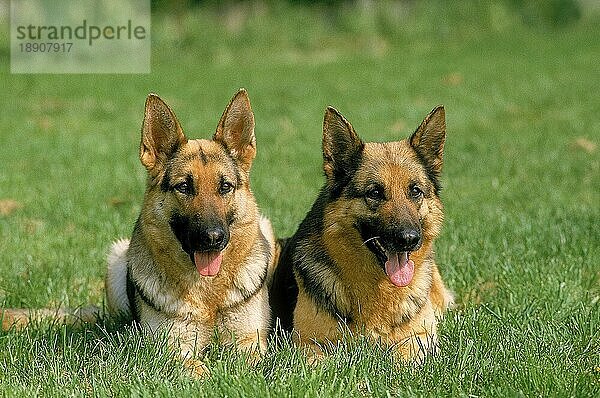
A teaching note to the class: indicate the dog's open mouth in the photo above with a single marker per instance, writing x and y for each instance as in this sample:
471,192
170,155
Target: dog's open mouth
208,263
398,267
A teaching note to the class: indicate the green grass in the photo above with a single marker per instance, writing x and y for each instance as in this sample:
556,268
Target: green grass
521,242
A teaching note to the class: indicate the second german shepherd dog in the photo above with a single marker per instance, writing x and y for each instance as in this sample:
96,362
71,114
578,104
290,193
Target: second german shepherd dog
200,254
362,259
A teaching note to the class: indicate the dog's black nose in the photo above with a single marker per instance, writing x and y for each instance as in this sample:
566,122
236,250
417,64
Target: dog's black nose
213,238
410,239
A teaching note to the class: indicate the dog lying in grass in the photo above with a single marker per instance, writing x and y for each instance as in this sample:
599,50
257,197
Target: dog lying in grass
200,253
362,259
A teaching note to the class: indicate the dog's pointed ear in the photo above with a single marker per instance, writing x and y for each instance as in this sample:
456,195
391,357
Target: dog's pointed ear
342,147
162,134
236,129
429,138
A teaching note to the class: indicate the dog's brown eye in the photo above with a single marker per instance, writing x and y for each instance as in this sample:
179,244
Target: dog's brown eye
182,187
225,188
375,193
416,192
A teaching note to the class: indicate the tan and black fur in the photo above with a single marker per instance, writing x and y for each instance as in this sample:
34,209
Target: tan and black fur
363,257
200,254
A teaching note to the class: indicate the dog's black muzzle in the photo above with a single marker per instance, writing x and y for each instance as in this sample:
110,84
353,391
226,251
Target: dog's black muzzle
197,235
210,239
395,239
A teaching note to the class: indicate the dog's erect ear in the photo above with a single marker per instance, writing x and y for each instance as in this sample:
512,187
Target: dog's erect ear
236,129
342,147
429,138
161,134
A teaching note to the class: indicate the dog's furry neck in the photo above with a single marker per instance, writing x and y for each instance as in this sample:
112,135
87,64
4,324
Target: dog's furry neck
179,279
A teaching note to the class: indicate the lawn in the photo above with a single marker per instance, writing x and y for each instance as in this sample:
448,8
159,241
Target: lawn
521,242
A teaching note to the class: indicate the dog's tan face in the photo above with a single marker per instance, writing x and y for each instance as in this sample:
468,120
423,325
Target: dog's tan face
385,195
199,186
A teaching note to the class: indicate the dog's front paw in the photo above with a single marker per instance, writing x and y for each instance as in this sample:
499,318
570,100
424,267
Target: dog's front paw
196,368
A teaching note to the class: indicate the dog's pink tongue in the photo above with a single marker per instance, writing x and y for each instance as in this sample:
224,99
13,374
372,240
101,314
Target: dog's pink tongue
208,263
399,269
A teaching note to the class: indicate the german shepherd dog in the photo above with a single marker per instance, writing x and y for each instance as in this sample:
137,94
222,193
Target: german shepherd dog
362,260
200,254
